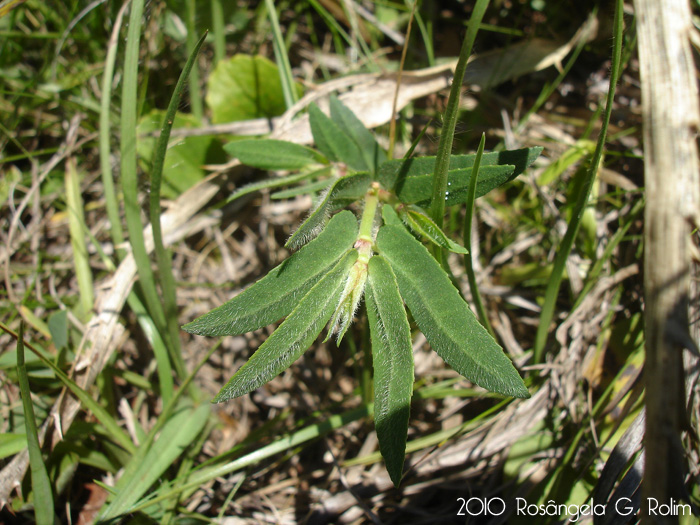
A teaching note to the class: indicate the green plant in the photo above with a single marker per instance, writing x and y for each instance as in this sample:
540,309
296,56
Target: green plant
339,261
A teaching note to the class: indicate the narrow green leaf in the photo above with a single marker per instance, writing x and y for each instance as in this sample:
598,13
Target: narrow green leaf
440,180
567,243
344,191
165,270
467,230
58,327
150,462
275,295
110,194
416,219
118,434
334,142
372,152
269,154
410,177
306,189
41,484
294,336
442,315
392,355
76,227
284,443
282,56
277,182
129,170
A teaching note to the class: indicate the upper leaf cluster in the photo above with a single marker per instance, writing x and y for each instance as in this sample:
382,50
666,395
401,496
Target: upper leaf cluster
340,262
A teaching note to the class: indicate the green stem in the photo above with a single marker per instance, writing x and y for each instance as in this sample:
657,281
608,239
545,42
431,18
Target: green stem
368,214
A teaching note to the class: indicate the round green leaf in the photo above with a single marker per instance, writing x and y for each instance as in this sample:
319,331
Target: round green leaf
245,87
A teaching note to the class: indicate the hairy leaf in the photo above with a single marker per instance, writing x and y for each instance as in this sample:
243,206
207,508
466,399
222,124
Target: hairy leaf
269,154
276,294
344,191
442,315
390,217
370,149
294,336
334,142
416,219
411,179
392,355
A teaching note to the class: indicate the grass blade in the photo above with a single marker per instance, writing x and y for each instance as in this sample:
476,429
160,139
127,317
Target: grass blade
111,198
567,242
469,266
392,355
442,315
160,349
150,462
167,281
218,30
129,169
76,226
41,484
286,77
88,402
282,444
294,335
437,205
277,294
195,90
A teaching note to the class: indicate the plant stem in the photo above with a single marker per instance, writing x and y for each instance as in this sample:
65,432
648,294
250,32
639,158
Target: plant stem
368,214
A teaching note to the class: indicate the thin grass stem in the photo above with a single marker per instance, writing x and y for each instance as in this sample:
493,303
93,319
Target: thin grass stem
110,194
442,163
218,31
567,243
129,170
41,484
167,281
285,69
392,122
468,263
76,226
195,90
